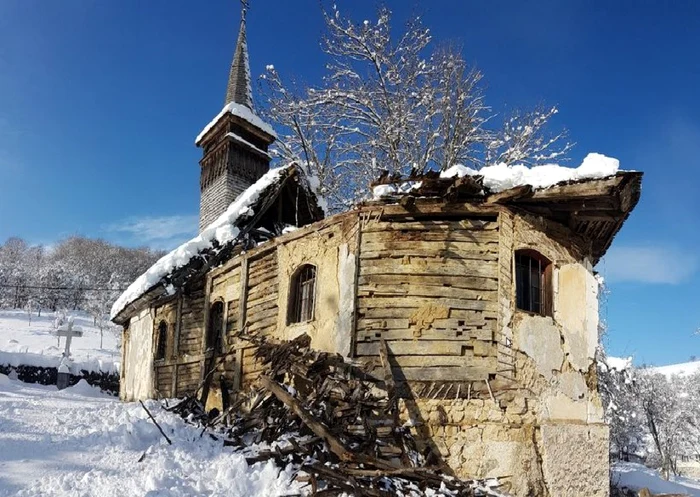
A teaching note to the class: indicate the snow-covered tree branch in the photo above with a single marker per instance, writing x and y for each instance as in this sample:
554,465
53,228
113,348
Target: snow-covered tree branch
394,103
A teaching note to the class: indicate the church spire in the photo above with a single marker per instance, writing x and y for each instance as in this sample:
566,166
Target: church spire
239,87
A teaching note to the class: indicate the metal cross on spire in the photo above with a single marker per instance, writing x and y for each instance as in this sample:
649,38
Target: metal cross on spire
239,86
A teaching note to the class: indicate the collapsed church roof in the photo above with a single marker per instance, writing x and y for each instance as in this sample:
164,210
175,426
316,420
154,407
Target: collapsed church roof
592,200
246,221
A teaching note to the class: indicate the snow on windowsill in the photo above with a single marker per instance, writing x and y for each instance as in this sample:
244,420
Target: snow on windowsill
222,231
244,113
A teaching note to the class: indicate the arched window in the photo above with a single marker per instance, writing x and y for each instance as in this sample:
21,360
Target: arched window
533,282
216,326
302,294
162,344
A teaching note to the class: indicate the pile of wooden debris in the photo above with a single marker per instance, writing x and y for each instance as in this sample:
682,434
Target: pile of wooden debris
335,423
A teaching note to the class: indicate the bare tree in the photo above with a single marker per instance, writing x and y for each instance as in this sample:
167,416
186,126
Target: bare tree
522,140
389,103
384,105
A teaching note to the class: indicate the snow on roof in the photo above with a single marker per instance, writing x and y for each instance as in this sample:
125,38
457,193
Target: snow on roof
682,369
503,177
222,230
242,140
618,363
241,111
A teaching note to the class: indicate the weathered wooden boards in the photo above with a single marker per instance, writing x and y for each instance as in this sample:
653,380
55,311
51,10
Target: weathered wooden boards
430,290
261,307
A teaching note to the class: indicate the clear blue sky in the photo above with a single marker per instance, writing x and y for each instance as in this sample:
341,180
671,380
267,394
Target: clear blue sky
100,103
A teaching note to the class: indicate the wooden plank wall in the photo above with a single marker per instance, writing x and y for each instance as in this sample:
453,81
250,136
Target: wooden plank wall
261,306
430,289
188,377
187,374
164,369
164,380
192,317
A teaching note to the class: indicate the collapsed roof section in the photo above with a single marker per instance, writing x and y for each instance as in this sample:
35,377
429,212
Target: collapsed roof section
282,198
594,207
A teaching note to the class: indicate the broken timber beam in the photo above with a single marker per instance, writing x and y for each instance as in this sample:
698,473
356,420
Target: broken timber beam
319,428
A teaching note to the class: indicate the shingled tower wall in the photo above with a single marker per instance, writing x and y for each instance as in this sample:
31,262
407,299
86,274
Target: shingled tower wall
235,146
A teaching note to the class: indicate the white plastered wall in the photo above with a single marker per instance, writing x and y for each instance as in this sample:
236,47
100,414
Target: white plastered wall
138,358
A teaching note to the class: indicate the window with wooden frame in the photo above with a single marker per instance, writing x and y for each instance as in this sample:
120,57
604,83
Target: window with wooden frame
215,326
302,295
533,282
162,340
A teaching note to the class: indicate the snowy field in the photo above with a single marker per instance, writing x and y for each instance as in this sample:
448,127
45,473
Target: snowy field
636,476
35,344
81,443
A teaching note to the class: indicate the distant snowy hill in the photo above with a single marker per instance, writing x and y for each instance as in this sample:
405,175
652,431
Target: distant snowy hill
682,369
35,344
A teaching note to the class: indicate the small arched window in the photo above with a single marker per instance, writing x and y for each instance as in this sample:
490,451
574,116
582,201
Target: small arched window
302,294
162,343
533,282
216,326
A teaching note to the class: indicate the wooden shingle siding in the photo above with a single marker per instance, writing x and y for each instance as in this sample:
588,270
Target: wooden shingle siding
430,290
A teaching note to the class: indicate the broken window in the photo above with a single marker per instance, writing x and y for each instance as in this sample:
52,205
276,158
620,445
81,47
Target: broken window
302,294
533,287
162,344
216,326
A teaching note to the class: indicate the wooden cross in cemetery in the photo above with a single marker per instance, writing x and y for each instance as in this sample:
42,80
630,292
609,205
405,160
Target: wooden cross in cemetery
66,330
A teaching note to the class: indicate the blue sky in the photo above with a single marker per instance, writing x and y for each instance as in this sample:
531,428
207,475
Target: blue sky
100,103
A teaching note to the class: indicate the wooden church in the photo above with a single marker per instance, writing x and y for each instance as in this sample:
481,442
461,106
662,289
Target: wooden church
491,293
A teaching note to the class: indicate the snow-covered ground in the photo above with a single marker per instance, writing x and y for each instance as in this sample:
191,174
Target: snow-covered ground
79,442
636,476
35,344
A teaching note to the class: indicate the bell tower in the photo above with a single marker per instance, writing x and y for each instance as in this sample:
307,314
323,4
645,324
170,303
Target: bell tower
235,143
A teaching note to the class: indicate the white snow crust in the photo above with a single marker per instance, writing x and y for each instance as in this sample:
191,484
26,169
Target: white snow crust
618,363
394,189
79,442
35,344
503,177
244,113
222,231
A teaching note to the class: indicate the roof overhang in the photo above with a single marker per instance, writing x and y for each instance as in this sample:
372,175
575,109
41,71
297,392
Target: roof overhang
594,209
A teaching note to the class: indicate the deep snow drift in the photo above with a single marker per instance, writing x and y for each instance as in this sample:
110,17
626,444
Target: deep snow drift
79,442
35,344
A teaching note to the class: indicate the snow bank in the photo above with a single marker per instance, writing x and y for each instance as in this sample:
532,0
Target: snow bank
241,111
222,231
636,477
64,443
36,344
502,177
